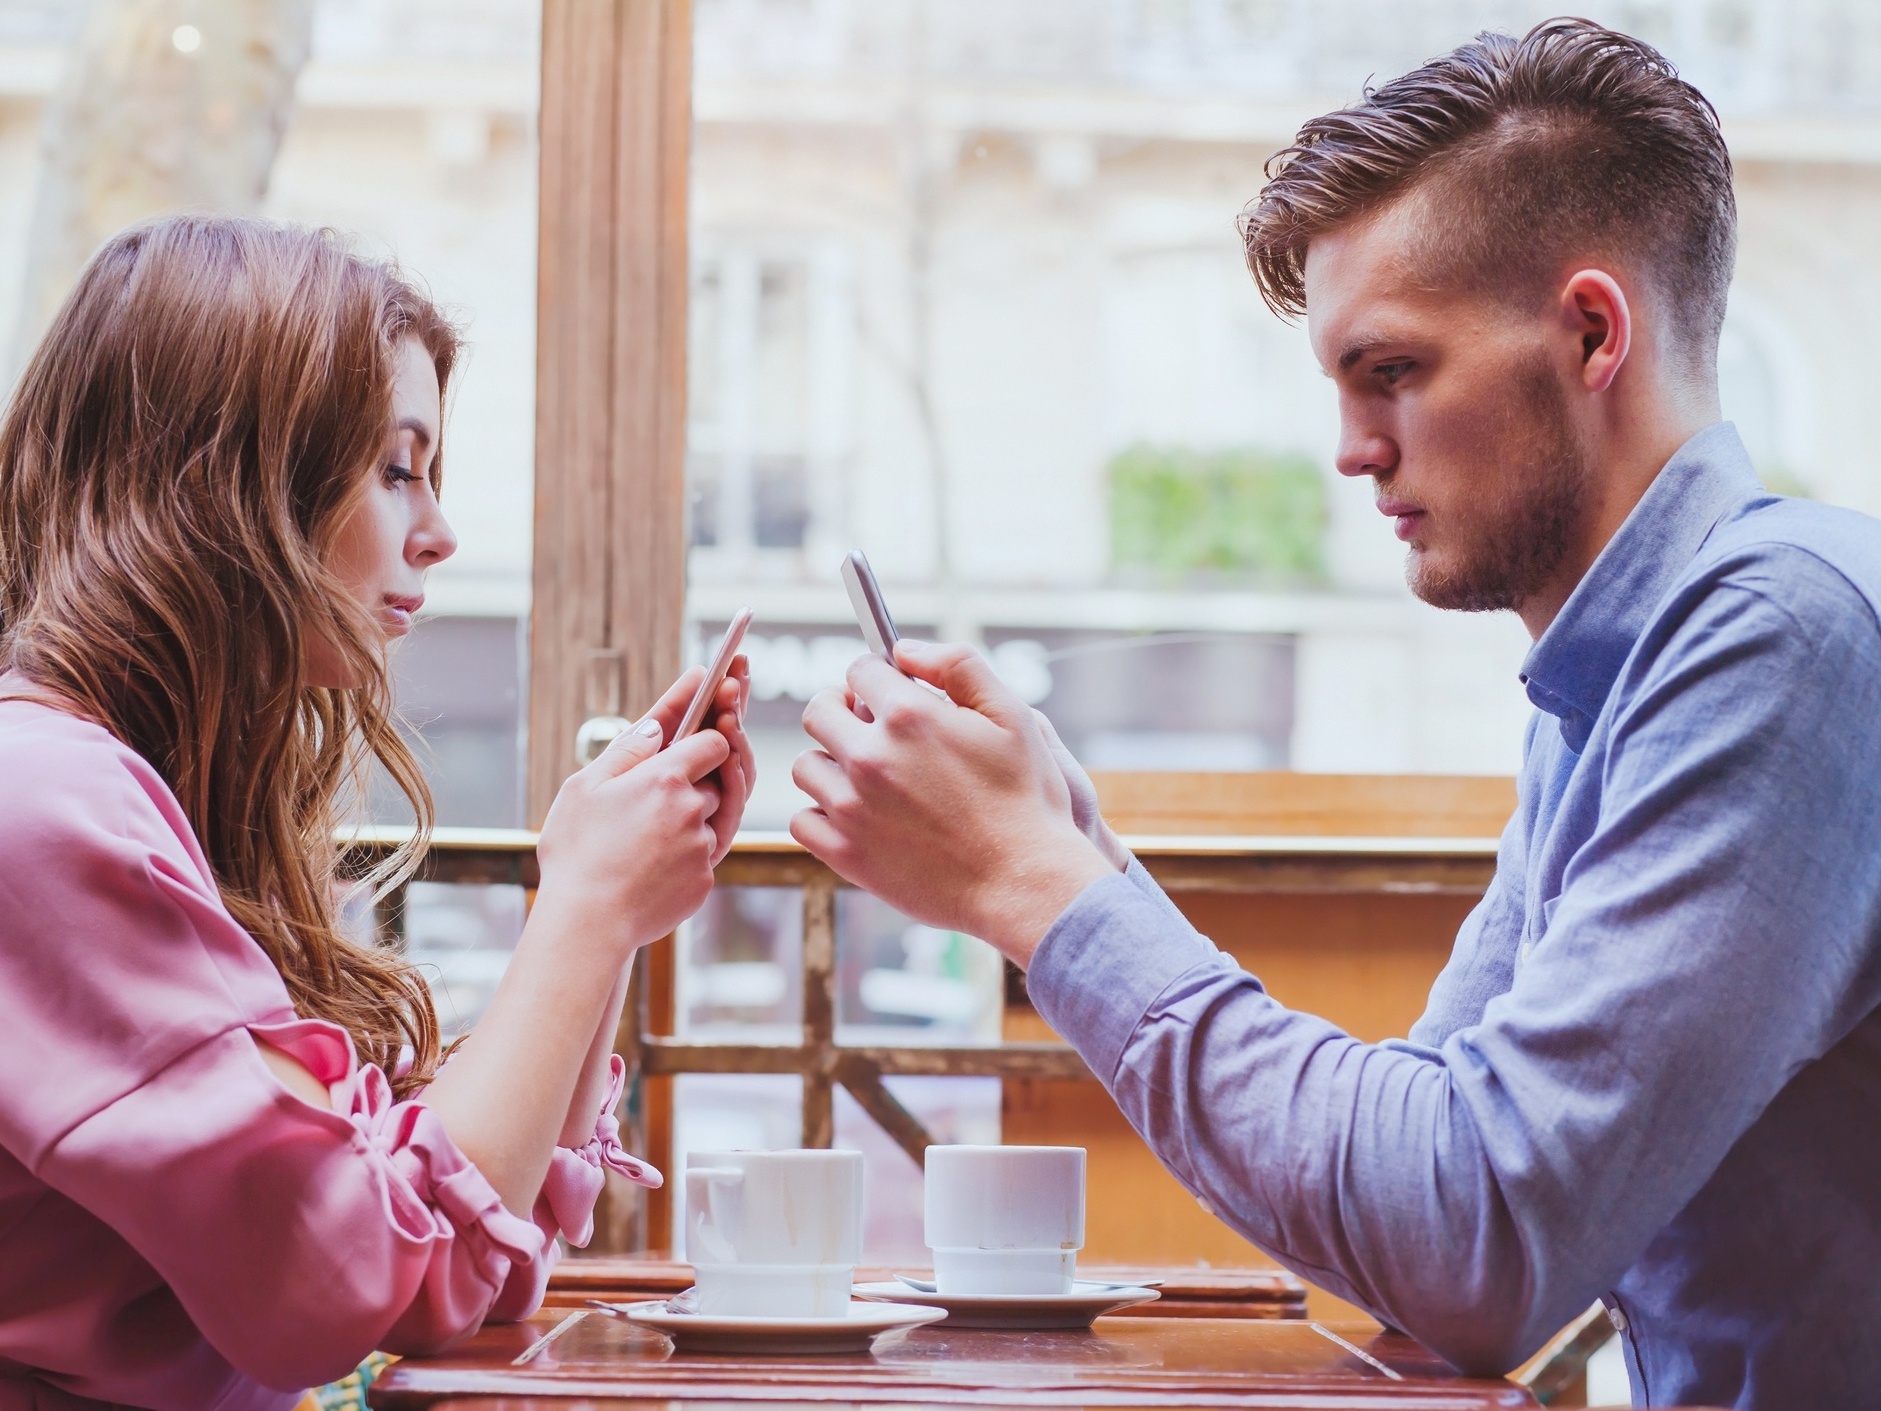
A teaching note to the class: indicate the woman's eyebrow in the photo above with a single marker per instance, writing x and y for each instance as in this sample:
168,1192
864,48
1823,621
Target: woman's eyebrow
418,429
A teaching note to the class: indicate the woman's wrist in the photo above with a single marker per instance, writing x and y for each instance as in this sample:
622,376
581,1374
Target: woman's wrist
587,918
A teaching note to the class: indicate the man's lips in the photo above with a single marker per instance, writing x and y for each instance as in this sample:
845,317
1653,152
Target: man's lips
1409,517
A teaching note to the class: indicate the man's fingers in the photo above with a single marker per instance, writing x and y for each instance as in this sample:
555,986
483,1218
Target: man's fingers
812,828
631,747
832,724
823,780
965,675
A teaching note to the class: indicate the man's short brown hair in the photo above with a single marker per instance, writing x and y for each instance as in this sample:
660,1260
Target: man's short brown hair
1572,142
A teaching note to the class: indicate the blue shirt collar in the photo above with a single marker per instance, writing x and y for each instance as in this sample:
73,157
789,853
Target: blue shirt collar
1571,670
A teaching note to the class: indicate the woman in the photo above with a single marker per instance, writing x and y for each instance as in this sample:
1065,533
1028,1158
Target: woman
230,1162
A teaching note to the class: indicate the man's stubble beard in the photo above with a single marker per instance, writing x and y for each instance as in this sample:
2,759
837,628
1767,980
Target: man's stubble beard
1506,550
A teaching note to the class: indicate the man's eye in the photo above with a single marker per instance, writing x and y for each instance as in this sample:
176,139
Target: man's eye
1391,372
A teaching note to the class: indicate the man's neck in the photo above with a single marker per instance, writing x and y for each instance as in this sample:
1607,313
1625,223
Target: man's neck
1621,475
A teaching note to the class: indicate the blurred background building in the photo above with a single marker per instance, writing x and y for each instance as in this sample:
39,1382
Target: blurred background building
967,294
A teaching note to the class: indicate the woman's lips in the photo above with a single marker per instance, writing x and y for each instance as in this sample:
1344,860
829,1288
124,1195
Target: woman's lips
398,613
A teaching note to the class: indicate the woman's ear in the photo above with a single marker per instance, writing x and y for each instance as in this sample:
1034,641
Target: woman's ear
1595,312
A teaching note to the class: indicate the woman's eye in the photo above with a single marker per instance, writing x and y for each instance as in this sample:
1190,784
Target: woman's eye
399,475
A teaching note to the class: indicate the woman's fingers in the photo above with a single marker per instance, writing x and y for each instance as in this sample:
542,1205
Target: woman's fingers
631,747
698,754
669,708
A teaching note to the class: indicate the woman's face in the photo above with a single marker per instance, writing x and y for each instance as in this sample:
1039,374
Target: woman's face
381,550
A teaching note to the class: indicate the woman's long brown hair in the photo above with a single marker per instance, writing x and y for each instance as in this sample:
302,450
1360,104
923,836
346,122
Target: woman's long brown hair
211,400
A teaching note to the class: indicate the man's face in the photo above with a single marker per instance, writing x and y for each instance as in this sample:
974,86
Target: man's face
1457,406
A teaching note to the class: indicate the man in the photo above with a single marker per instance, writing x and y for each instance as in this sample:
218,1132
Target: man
1651,1071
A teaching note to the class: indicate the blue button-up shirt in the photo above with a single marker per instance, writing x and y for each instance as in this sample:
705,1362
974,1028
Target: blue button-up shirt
1651,1071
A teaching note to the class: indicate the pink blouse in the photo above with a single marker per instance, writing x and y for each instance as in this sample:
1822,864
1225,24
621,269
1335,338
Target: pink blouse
177,1230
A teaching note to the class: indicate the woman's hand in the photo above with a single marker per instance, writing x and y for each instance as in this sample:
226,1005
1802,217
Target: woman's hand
738,776
626,853
635,835
628,845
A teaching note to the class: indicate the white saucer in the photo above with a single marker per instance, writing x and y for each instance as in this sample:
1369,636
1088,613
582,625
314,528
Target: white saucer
1078,1309
700,1332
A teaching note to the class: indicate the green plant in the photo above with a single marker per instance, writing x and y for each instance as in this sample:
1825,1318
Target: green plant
1178,514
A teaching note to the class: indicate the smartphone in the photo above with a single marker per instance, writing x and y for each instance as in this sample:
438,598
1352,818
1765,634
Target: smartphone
714,676
865,596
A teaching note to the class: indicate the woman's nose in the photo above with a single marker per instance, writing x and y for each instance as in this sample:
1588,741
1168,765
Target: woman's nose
431,540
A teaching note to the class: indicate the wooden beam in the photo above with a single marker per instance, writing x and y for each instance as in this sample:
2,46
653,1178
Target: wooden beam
611,279
1316,865
819,1011
609,569
1042,1062
864,1082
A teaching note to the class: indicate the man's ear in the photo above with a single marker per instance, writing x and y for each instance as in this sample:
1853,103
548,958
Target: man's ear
1595,311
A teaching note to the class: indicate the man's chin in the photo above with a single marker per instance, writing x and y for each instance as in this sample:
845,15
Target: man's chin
1451,586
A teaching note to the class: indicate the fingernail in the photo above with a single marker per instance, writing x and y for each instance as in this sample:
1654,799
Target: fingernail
648,727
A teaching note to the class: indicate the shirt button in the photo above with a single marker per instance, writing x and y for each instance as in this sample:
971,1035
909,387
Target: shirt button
1616,1317
1207,1209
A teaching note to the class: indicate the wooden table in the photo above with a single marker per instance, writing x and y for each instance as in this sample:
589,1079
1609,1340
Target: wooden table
603,1361
1187,1293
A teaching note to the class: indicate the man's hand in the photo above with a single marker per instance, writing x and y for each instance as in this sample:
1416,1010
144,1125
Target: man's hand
1084,810
952,810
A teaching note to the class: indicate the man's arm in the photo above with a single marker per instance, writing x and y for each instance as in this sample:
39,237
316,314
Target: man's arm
1713,937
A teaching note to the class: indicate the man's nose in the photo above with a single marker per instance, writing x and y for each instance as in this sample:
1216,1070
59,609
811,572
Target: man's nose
1363,451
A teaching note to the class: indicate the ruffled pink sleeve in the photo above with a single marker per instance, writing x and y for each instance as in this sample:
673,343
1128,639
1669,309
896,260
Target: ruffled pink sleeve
293,1240
566,1205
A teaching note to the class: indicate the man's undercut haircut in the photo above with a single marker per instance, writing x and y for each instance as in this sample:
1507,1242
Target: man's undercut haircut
1573,143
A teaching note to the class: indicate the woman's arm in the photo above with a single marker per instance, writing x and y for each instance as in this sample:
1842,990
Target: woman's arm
627,854
735,780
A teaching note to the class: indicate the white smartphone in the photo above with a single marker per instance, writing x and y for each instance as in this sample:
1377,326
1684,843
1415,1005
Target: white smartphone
871,609
714,676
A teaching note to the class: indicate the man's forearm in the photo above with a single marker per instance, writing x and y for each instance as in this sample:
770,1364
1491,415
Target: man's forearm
1353,1165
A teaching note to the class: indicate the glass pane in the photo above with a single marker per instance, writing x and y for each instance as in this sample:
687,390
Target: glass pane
981,311
968,295
460,937
740,977
411,128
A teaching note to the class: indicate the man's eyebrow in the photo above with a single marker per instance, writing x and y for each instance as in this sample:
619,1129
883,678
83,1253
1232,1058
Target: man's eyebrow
1358,347
418,429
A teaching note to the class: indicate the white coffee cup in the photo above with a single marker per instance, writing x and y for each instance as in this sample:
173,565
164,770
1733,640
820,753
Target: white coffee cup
774,1234
1005,1219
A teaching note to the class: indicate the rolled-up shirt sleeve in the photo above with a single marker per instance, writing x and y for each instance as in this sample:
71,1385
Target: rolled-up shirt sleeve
1712,938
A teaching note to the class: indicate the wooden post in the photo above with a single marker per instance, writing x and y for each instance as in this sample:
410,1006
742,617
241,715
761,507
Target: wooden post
611,281
610,565
819,1011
